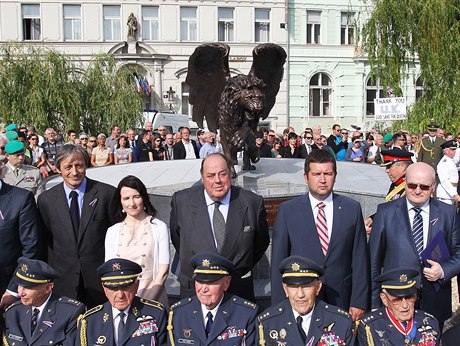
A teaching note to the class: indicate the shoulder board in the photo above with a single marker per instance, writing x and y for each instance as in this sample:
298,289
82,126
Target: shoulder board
425,313
270,313
336,310
371,316
152,303
69,301
17,303
92,311
181,303
244,302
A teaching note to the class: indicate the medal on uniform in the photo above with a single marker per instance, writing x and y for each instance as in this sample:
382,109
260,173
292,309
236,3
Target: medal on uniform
408,332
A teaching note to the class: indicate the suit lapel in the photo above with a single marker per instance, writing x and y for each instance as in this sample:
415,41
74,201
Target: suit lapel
5,197
234,225
60,199
199,211
220,321
89,206
291,326
311,233
316,328
337,217
433,220
197,321
405,224
131,322
46,319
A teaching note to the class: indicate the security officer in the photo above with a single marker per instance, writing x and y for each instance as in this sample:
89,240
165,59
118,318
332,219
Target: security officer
40,317
212,316
17,173
395,161
448,175
302,319
125,319
397,322
430,147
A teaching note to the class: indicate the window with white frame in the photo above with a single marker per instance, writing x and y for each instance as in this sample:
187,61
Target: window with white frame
112,23
347,29
225,24
262,25
150,23
188,24
185,97
373,91
31,28
72,22
320,95
313,26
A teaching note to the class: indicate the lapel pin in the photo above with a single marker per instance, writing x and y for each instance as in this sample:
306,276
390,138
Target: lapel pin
433,222
1,216
93,202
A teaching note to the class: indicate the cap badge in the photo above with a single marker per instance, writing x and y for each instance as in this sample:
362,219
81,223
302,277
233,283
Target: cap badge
116,267
403,278
206,263
24,268
295,267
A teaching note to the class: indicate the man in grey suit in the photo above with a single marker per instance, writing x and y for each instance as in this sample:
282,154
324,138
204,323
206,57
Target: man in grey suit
220,218
329,229
75,217
404,227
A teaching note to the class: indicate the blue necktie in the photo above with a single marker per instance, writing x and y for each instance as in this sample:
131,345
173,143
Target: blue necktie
209,323
75,212
417,230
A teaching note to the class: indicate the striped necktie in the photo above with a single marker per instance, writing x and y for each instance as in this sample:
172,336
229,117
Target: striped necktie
417,230
321,226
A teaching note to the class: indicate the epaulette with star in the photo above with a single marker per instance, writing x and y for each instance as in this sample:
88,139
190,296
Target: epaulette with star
152,303
17,303
181,303
244,302
69,301
269,314
371,317
337,310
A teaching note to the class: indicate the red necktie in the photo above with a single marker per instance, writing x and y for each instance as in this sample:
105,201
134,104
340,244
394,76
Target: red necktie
321,226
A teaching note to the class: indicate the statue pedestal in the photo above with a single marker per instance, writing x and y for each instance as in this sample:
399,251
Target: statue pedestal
131,45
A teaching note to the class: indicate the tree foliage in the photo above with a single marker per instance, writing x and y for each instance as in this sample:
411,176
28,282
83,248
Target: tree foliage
45,88
402,32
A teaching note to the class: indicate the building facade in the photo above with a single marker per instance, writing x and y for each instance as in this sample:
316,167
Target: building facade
327,78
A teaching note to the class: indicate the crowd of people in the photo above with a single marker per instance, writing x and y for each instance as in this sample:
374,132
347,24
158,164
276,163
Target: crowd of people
85,263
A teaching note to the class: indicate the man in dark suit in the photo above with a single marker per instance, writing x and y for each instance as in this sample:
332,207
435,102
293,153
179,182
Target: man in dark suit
404,227
221,218
40,317
302,319
329,229
75,217
186,148
125,320
212,316
19,234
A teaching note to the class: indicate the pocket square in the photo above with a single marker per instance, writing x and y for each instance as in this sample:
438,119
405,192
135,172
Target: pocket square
247,229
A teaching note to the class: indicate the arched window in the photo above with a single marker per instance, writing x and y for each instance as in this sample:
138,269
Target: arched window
373,91
419,88
320,95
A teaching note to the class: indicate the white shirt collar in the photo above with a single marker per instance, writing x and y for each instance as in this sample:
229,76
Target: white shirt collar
225,200
314,202
205,311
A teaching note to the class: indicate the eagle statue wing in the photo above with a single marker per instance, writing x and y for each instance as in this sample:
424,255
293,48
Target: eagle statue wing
207,75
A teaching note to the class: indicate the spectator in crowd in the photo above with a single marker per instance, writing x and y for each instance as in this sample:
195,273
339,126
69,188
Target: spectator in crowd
264,149
306,147
291,150
158,151
271,137
404,227
277,147
84,142
125,319
430,147
399,141
3,141
112,140
75,217
355,153
222,218
122,153
338,141
399,288
102,154
140,237
446,190
200,139
19,174
144,146
449,136
316,130
313,321
19,234
222,317
131,139
209,146
441,132
22,137
177,137
50,146
38,154
186,148
162,133
31,130
40,317
374,148
329,229
169,146
71,136
92,142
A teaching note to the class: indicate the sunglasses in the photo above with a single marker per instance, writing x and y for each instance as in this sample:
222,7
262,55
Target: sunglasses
422,187
308,137
34,139
344,133
93,141
157,140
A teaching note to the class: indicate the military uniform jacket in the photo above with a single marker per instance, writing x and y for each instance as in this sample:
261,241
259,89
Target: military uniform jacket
375,328
430,153
145,325
448,179
57,324
329,326
233,323
28,178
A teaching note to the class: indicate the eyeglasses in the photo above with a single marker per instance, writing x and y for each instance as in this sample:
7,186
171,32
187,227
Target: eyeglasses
271,135
161,129
92,141
34,139
308,137
84,139
422,187
399,300
344,133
